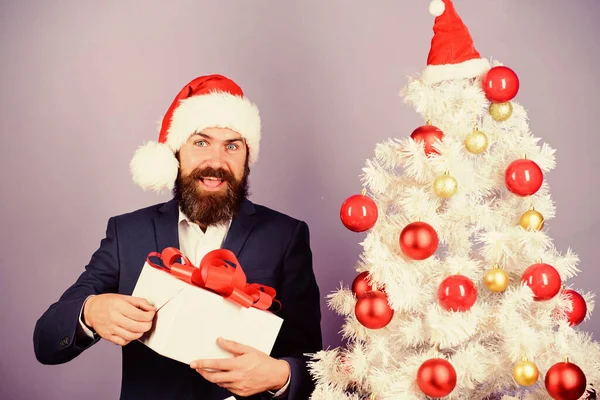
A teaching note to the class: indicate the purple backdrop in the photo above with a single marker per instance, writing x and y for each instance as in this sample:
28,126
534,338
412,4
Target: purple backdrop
84,83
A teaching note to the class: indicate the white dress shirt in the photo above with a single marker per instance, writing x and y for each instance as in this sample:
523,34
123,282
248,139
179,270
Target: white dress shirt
194,244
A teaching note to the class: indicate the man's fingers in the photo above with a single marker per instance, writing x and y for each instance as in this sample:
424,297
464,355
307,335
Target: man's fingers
132,312
117,340
234,347
218,377
140,303
132,325
221,364
125,334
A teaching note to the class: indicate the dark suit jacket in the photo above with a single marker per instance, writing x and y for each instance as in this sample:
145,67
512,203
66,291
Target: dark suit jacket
272,248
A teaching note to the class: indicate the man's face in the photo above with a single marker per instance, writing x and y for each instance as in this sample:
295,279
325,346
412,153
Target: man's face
213,175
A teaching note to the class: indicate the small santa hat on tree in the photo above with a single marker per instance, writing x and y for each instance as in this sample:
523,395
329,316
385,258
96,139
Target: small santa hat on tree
452,54
211,101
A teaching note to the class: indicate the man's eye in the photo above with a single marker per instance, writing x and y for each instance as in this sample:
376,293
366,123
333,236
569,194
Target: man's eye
200,143
232,146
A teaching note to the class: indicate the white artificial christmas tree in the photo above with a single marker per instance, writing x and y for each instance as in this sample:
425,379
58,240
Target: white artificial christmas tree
461,293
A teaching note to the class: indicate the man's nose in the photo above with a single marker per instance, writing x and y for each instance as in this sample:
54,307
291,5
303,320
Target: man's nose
216,157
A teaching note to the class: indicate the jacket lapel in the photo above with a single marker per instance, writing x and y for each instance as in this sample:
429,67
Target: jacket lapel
165,226
167,234
241,226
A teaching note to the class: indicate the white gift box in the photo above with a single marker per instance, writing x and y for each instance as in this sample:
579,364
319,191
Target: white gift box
190,319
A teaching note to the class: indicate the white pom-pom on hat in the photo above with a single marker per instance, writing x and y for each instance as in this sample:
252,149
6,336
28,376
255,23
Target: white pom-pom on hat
436,8
154,167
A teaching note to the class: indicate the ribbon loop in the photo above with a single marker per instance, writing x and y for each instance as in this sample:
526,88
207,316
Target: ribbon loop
219,272
168,257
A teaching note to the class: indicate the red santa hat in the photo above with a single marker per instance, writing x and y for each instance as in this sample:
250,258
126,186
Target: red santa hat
212,101
452,54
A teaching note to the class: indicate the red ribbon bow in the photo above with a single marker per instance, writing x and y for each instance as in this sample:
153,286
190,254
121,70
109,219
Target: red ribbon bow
220,272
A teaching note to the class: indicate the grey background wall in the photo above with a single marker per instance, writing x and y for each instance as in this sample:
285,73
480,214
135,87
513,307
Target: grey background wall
84,83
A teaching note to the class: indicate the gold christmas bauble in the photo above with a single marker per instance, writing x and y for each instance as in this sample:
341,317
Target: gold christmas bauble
445,186
532,221
476,142
501,111
525,372
496,279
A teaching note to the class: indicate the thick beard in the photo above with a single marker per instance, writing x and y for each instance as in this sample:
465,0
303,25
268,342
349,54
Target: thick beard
210,208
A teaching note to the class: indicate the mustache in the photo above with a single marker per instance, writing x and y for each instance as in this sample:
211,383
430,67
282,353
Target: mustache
218,173
207,207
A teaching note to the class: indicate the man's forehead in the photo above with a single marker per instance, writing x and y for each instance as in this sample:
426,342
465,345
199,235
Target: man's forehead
224,134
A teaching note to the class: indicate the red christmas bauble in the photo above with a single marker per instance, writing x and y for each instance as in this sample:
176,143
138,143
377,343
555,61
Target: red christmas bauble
428,135
457,293
418,240
500,84
436,377
578,308
361,284
543,279
359,213
373,311
523,177
565,381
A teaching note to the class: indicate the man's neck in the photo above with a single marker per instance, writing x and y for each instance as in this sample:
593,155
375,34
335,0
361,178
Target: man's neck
202,226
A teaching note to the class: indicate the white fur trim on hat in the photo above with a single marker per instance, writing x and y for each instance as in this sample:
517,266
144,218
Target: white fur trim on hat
216,110
467,69
154,167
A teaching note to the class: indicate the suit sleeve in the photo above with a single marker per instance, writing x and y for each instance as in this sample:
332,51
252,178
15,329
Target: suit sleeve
57,337
300,299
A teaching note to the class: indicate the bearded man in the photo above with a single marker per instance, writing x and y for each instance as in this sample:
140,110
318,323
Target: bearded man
209,138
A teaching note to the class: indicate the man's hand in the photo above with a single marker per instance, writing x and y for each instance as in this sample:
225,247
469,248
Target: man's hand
250,371
118,318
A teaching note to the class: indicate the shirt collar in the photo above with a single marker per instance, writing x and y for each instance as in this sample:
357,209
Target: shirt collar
183,217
